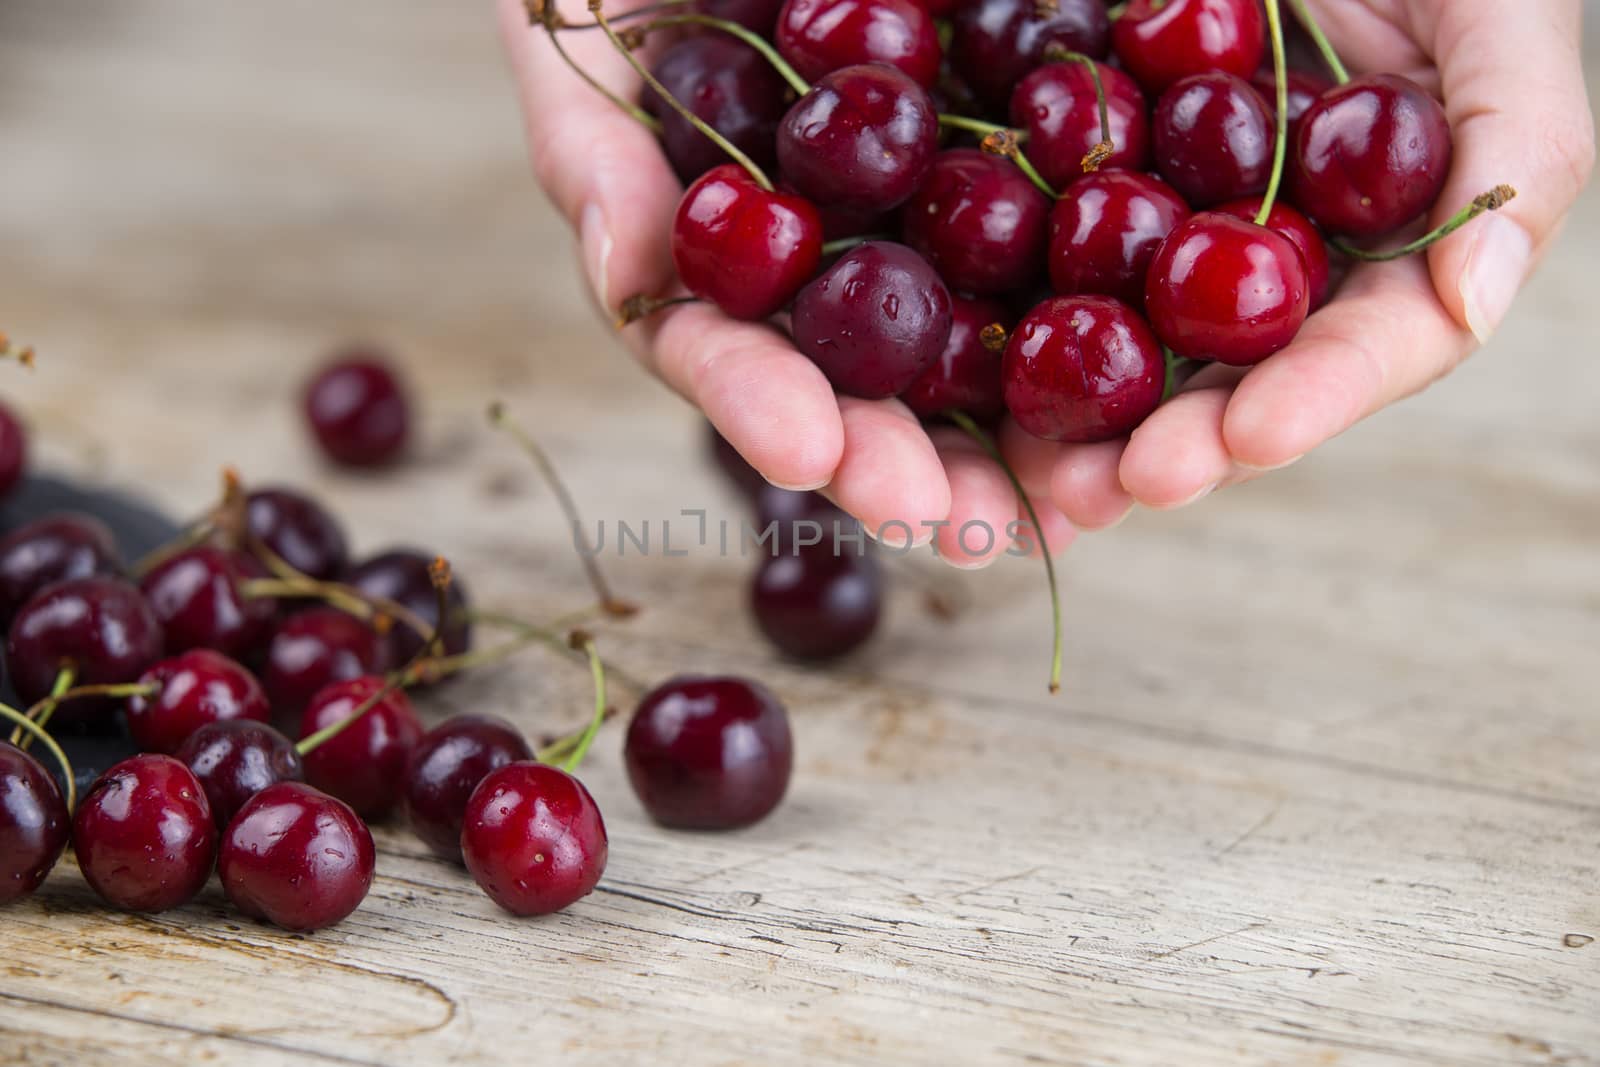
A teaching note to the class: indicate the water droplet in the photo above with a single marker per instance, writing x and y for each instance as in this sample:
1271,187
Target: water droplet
891,307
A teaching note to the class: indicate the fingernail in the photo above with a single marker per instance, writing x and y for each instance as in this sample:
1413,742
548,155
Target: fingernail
1291,461
1201,495
1113,524
798,488
597,245
1495,270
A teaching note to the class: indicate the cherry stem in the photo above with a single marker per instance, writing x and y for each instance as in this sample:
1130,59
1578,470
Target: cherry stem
627,16
977,433
33,729
1171,363
118,690
186,540
1102,151
845,244
1003,142
754,40
1302,12
1493,200
1280,147
756,173
380,611
978,126
598,671
994,337
23,354
945,600
1114,12
612,605
41,712
543,12
639,306
549,635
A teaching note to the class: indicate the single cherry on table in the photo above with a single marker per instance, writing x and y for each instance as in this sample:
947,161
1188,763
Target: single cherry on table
296,857
193,689
144,835
34,824
533,838
818,602
234,759
358,409
446,766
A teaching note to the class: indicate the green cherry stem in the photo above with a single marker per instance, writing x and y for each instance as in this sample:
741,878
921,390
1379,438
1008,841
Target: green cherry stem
598,670
845,244
1280,147
1102,151
34,730
1493,200
754,40
543,13
1302,11
980,127
1003,142
41,712
977,433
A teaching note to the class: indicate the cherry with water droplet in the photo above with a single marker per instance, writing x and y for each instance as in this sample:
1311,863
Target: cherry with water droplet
33,823
1213,139
1104,232
979,221
818,37
364,765
1058,106
234,759
731,87
966,376
144,835
533,838
446,766
1161,42
296,857
1300,231
193,689
995,43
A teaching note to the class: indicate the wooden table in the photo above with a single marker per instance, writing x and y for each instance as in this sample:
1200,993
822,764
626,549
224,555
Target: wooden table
1323,786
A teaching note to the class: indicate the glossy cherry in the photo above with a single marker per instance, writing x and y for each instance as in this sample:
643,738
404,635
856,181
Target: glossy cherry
1059,108
979,221
861,140
758,15
966,376
357,409
100,627
198,597
786,517
873,321
52,549
1298,229
446,766
234,759
741,247
33,823
197,688
1082,369
144,835
995,43
401,575
1371,156
315,648
1105,230
818,37
298,529
728,85
364,765
709,753
533,838
1305,89
1213,139
13,450
1227,290
819,602
296,857
1161,42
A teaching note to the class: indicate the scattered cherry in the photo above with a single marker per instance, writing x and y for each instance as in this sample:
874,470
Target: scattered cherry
1059,108
234,759
1104,232
995,43
195,689
819,602
365,764
357,409
144,835
1161,42
401,575
1213,138
979,221
731,87
315,648
818,37
299,530
52,549
1299,230
966,376
198,597
296,857
446,766
533,838
33,823
13,450
709,753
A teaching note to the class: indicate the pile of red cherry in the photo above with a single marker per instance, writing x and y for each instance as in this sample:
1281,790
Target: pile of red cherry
1041,207
254,626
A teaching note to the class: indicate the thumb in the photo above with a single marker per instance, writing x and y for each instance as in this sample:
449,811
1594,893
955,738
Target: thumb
1513,87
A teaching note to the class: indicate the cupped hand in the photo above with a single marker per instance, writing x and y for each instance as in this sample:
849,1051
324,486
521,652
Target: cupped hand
1512,82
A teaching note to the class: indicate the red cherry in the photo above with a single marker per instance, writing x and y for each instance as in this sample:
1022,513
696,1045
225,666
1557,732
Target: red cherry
1304,90
446,766
197,598
709,753
979,221
357,409
1213,139
13,450
1161,42
741,247
144,835
995,43
1105,230
33,823
1227,290
1082,368
401,575
1298,229
787,516
1371,156
197,688
296,857
1059,108
966,376
818,602
758,15
818,37
731,87
52,549
298,529
365,764
533,838
314,648
237,758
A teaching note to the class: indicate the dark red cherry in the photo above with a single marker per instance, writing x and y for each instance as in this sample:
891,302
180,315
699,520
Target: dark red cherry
873,321
966,376
1298,229
144,835
1371,156
197,597
401,575
1082,369
735,467
52,549
296,857
1058,107
708,753
839,223
861,140
744,249
446,766
100,627
357,409
1226,290
33,823
729,86
979,221
818,37
1161,42
533,838
197,688
365,765
235,759
310,650
1105,230
1305,89
758,15
298,529
819,602
13,450
1213,139
995,43
786,517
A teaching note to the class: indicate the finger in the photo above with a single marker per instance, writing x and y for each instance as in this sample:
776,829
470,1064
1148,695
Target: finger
890,476
1178,456
1086,487
1058,533
982,502
1033,459
1514,94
